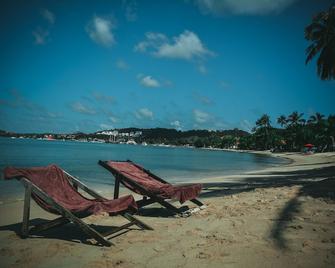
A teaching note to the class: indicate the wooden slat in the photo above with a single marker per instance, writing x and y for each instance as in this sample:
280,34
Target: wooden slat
138,222
116,188
116,195
83,186
144,191
26,209
168,205
66,213
144,202
117,229
115,173
67,216
153,198
197,202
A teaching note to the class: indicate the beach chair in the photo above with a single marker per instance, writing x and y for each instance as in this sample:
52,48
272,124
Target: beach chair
151,187
56,191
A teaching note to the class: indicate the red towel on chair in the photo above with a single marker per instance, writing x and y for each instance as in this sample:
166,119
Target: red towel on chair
54,182
181,193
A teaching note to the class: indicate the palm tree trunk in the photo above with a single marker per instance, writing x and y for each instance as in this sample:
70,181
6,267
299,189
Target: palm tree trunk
333,142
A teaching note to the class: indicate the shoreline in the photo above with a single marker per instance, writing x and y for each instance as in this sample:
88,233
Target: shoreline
295,159
10,194
281,216
296,162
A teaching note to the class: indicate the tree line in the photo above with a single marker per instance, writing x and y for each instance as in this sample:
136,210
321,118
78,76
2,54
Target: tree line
295,132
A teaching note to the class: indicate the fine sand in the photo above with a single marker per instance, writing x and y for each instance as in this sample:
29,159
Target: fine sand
283,216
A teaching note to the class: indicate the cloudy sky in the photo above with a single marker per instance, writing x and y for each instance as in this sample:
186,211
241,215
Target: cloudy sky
195,64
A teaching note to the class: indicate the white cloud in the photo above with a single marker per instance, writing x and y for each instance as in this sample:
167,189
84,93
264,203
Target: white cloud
200,116
148,81
100,30
186,46
41,36
242,7
144,113
176,124
122,65
152,40
48,15
81,108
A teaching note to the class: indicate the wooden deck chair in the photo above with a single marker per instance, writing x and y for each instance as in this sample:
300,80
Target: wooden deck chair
56,191
151,187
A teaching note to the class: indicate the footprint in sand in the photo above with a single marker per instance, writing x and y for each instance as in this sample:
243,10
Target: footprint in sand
203,255
6,252
56,249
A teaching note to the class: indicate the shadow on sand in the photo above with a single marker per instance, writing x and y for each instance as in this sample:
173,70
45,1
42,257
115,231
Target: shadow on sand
68,232
316,183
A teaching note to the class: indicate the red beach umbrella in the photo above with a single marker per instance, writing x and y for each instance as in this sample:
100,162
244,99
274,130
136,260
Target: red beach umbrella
308,145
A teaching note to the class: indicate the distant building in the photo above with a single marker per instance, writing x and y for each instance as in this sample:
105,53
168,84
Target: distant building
115,134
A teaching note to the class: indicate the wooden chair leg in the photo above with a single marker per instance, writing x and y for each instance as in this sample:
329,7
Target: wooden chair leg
144,202
117,229
26,211
153,199
89,230
67,214
116,188
136,221
132,221
169,206
197,202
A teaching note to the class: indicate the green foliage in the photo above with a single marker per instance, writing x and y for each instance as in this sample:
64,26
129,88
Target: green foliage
321,34
293,135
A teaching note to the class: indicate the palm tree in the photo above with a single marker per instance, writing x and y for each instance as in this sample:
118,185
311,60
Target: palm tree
296,119
263,126
331,130
282,138
264,121
316,129
321,32
282,120
316,118
295,125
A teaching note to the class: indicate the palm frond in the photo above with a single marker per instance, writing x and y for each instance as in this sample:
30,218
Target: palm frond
321,33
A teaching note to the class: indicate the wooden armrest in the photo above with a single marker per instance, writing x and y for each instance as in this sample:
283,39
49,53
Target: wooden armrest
82,186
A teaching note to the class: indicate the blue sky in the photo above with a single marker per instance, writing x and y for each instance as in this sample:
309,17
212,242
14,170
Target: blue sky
84,66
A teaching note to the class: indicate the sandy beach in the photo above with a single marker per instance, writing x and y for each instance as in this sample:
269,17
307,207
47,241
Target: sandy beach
283,216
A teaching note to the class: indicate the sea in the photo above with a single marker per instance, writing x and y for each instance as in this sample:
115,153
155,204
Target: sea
174,164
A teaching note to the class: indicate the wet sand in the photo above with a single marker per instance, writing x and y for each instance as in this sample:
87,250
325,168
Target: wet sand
281,216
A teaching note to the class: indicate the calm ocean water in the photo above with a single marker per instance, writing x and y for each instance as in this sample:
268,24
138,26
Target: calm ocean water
80,159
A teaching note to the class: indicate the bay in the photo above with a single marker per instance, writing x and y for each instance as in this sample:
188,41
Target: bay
174,164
